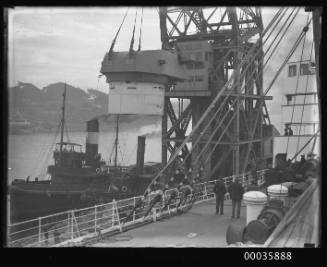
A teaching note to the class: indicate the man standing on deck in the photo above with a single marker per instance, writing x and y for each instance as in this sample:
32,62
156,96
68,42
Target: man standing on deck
236,191
220,191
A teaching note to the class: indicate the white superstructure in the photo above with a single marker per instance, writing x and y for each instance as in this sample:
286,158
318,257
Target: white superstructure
299,111
136,98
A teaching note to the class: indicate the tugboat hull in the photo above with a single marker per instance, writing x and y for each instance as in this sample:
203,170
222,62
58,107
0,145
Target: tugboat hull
28,204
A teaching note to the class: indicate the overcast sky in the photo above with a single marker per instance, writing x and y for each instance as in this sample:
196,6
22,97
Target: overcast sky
48,45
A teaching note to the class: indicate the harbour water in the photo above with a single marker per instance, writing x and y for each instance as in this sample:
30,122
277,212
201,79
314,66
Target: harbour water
30,154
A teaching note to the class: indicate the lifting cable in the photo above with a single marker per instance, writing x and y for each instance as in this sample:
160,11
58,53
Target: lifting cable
297,85
140,37
115,38
205,113
304,100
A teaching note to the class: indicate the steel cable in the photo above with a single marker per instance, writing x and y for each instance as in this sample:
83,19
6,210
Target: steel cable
296,86
304,100
208,123
201,119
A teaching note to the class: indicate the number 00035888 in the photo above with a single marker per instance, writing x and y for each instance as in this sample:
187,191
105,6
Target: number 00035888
267,256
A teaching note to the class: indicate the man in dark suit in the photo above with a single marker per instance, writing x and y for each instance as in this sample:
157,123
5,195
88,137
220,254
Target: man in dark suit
236,191
220,191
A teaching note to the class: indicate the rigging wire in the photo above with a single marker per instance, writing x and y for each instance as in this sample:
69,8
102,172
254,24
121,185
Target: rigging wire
297,42
229,123
261,102
225,115
115,38
195,128
297,86
48,152
121,154
140,37
285,31
304,100
314,144
132,40
67,133
305,145
42,152
283,12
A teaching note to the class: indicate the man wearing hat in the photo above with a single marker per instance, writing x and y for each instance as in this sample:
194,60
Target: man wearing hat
220,191
236,191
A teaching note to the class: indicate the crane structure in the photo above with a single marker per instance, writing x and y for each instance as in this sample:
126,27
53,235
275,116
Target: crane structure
212,43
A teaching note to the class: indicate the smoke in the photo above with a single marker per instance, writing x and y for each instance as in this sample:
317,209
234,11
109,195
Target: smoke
151,131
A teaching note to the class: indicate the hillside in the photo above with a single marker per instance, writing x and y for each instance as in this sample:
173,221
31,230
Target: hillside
42,107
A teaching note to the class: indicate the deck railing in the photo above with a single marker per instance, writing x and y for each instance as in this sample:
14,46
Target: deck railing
75,226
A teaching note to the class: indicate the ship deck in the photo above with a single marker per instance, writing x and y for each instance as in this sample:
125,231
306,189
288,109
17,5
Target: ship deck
199,227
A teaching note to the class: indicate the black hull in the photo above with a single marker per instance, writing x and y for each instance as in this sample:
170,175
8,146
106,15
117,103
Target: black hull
31,205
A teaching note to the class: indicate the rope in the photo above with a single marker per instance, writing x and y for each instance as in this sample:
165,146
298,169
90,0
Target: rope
115,38
297,84
140,38
306,90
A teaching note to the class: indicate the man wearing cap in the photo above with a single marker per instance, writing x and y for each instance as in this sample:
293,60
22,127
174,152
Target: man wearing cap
220,191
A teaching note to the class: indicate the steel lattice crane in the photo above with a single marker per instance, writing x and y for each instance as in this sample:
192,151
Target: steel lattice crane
213,42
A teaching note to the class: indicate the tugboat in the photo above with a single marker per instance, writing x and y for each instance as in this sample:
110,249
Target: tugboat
79,179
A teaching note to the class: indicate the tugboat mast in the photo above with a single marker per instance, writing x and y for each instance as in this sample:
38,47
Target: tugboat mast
116,140
63,119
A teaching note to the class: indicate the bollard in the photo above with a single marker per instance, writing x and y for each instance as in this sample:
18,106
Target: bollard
255,201
278,191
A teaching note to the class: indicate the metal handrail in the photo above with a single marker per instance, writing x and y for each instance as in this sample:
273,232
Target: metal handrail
109,216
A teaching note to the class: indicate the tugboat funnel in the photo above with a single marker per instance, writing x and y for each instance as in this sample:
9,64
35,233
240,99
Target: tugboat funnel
140,154
92,141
